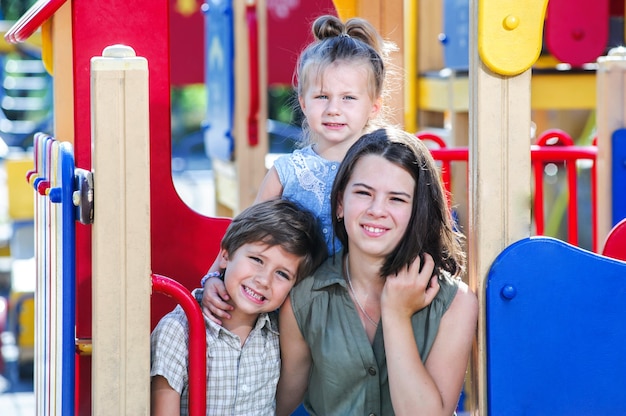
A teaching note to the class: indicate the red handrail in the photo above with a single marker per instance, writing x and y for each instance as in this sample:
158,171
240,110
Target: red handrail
556,146
253,73
197,340
30,21
553,146
445,155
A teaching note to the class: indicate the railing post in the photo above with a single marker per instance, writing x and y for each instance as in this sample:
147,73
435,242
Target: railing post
610,116
121,233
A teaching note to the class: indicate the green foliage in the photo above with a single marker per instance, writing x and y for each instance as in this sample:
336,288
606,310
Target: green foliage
188,109
14,9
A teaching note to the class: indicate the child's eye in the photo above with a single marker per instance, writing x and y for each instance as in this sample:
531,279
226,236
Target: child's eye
321,97
256,259
349,97
284,275
398,199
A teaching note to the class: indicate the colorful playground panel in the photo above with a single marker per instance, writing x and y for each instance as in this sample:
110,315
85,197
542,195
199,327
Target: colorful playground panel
21,206
509,34
555,338
618,175
220,85
577,35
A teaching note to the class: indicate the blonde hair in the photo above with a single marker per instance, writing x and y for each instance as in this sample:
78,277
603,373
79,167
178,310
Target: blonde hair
355,41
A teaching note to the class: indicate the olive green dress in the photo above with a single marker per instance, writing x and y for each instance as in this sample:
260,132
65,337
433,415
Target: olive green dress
348,374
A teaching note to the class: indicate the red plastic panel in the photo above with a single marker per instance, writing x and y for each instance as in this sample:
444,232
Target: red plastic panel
187,39
577,31
184,243
615,244
288,32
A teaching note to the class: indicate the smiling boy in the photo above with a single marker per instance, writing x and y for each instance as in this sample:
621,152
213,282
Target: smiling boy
266,250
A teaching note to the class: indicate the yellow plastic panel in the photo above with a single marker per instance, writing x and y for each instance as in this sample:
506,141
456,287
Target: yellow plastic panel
345,8
509,34
21,206
26,323
46,45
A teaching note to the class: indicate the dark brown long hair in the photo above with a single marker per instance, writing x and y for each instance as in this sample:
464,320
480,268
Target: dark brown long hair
430,229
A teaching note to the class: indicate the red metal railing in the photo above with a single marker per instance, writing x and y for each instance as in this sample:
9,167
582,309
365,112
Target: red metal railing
197,340
553,146
30,21
556,146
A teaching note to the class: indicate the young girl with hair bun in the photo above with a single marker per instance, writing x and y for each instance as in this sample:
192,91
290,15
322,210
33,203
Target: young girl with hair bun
340,79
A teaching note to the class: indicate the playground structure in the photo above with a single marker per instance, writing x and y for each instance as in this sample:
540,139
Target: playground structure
155,234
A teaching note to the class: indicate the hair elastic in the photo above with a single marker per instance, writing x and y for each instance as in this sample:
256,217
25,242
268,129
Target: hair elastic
208,276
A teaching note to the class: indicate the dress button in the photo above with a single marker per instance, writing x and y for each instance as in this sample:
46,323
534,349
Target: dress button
334,167
372,371
325,230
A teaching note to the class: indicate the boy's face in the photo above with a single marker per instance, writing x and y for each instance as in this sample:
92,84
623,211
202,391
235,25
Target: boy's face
258,278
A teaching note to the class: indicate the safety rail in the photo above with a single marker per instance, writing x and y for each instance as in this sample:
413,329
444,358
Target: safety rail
553,146
55,302
556,146
197,340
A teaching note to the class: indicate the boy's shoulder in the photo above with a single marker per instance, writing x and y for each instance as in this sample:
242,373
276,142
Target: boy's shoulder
172,325
176,315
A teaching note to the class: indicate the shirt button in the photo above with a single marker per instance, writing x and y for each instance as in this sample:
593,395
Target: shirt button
371,371
334,167
325,230
244,387
372,414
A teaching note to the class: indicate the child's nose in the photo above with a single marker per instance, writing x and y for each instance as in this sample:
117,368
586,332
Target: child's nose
262,278
332,107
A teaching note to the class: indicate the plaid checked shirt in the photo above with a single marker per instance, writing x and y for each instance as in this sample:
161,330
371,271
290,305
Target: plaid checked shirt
240,380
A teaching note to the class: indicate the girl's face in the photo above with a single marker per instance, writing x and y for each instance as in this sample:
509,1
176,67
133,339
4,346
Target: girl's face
337,106
258,278
376,206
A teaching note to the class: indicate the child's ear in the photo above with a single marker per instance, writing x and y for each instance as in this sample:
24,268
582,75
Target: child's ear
223,259
301,102
378,104
339,207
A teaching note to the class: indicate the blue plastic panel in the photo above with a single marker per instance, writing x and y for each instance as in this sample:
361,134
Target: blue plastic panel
618,171
555,331
218,136
66,172
456,34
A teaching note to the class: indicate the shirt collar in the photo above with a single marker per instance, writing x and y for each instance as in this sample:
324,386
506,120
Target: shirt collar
330,273
266,322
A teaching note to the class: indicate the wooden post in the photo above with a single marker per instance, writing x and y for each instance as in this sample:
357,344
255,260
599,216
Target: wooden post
249,160
121,233
63,78
499,156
